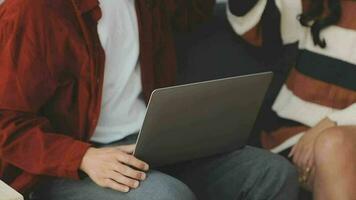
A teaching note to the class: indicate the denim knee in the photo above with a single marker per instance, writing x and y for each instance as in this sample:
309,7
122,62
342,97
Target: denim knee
279,171
282,168
274,177
159,186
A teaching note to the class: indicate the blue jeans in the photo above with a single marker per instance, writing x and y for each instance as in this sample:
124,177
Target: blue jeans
249,173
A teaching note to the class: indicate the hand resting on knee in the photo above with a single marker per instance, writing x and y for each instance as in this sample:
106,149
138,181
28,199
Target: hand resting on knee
114,167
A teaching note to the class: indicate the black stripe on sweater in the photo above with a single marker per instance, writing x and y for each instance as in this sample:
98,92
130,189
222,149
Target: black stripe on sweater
327,69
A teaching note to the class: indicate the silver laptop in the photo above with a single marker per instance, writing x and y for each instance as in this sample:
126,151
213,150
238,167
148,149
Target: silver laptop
201,119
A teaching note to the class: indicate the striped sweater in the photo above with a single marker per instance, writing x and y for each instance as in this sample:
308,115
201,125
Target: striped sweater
323,81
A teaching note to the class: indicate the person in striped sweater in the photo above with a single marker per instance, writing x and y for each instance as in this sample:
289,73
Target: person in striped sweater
318,100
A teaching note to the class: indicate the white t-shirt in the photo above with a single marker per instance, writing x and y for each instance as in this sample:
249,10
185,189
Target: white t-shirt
122,109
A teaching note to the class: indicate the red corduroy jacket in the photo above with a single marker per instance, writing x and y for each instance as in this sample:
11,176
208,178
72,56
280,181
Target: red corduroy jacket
51,77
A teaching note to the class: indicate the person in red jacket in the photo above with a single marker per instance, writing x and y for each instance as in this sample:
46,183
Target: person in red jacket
75,76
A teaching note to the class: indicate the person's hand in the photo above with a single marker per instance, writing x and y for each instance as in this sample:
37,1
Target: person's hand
114,167
306,179
302,152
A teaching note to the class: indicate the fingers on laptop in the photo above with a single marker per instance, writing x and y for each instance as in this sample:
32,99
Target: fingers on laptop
122,177
131,161
127,148
129,172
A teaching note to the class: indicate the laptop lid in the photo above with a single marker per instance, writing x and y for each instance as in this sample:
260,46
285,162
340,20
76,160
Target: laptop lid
201,119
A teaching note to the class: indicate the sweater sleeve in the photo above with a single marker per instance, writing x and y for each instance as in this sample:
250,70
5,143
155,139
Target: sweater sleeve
27,140
345,117
252,18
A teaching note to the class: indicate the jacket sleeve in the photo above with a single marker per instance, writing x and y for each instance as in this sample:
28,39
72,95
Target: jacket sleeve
188,13
27,140
260,21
